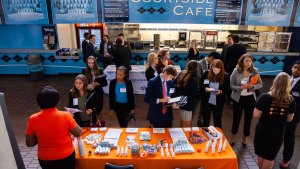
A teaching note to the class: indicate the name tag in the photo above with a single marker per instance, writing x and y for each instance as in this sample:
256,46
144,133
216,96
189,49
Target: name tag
295,94
206,81
244,81
109,46
75,101
122,90
172,90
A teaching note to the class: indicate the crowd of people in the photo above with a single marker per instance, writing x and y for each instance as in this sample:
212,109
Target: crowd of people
230,77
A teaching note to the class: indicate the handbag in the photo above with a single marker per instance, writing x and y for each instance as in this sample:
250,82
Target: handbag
101,79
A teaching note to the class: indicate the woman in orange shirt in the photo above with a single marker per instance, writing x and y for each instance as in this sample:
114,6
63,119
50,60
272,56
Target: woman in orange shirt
50,129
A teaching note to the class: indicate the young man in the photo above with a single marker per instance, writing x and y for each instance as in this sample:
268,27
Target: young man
106,48
84,43
225,48
91,47
158,93
289,138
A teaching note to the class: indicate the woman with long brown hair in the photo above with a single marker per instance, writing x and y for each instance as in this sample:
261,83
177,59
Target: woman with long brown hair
214,84
187,84
79,96
164,60
274,108
243,95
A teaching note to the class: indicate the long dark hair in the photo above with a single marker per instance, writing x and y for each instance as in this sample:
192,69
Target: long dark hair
88,70
219,77
191,70
74,91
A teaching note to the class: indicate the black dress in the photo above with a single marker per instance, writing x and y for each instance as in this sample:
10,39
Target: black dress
270,129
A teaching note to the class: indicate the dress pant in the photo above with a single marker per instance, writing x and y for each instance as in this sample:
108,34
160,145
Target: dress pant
122,111
246,104
65,163
217,111
289,138
107,61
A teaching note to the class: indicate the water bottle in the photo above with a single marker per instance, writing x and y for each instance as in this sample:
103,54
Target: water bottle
81,147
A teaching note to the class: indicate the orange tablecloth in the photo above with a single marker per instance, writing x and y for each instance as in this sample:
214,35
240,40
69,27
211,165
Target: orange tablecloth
222,160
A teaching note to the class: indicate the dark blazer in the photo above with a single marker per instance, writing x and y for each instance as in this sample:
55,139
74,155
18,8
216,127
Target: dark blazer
224,53
295,92
189,91
112,94
91,51
221,97
84,52
149,73
234,52
192,55
122,57
92,105
154,92
110,48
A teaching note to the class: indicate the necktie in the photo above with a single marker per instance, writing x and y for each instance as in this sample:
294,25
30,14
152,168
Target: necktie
164,91
292,82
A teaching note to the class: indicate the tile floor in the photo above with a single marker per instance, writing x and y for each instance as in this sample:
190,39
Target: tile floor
20,94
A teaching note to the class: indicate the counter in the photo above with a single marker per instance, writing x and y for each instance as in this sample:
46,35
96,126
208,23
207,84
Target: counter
14,61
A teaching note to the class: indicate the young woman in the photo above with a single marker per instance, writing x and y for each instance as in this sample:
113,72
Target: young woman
81,98
193,51
243,95
121,98
91,71
274,109
214,84
187,84
164,60
151,71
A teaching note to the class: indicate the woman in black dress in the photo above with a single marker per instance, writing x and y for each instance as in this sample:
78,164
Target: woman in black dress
274,109
151,71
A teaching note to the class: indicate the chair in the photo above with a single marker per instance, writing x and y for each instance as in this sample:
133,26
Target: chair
112,166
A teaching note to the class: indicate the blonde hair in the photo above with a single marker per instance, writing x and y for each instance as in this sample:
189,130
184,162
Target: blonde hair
193,45
150,59
280,89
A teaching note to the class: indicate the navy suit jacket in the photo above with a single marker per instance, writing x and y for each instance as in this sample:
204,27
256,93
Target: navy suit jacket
295,92
154,92
91,51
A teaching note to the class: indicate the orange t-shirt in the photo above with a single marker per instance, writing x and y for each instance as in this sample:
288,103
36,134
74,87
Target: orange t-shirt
51,128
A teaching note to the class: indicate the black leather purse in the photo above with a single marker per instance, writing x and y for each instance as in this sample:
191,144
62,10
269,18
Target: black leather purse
101,79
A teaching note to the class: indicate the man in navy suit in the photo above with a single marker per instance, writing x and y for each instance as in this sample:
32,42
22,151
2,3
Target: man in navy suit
289,138
84,43
91,47
158,93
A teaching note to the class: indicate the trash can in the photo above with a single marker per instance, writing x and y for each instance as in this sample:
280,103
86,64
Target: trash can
35,67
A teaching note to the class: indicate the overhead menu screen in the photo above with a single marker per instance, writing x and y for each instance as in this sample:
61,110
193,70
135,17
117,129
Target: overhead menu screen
228,11
116,10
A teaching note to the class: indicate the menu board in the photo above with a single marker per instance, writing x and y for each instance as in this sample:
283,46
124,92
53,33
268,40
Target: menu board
76,11
25,11
116,10
228,11
297,17
269,12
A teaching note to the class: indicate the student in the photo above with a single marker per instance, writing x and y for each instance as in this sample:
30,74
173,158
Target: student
121,56
217,79
91,48
289,138
121,98
91,71
81,98
84,43
164,60
151,71
105,52
243,95
158,92
274,108
193,51
186,85
50,129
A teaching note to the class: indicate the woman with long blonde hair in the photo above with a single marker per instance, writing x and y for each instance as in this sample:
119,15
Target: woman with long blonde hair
151,71
193,51
274,109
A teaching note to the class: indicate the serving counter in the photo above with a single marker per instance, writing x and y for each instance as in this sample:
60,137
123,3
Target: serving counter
226,159
13,61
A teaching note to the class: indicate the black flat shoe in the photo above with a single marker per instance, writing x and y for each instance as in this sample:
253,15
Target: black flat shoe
232,144
244,145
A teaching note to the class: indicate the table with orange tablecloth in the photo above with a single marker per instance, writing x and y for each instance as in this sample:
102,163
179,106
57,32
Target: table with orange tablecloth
222,160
